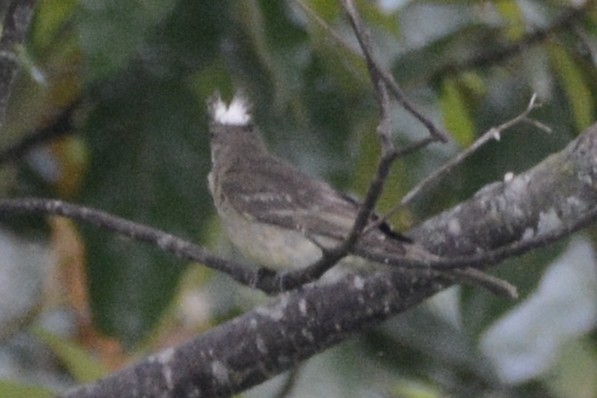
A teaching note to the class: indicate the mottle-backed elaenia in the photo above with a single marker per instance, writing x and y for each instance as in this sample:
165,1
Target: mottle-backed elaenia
273,212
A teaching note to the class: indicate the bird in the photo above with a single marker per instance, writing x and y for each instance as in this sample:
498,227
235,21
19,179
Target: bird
277,215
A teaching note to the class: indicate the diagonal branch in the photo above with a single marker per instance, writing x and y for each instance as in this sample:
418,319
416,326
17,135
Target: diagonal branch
435,132
276,337
494,133
531,213
178,247
378,74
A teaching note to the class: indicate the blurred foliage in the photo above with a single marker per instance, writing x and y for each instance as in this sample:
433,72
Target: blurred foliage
15,390
138,147
80,365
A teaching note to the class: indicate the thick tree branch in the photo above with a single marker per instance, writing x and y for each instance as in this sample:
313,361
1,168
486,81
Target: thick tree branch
294,327
558,192
16,23
276,337
266,341
524,212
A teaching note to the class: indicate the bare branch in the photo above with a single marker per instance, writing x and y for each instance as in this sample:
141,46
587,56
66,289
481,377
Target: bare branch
388,154
266,341
263,279
180,248
478,278
377,73
327,28
392,85
494,133
493,257
274,338
307,321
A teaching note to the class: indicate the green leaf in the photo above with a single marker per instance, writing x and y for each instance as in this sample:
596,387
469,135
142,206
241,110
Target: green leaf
18,390
373,16
415,389
50,19
80,364
327,10
457,118
575,371
575,86
511,12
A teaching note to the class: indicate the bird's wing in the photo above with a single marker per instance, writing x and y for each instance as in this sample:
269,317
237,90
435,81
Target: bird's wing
284,196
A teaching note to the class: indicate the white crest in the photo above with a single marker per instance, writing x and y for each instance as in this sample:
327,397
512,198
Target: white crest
235,114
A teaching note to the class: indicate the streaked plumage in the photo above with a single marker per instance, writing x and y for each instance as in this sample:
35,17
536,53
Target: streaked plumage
267,205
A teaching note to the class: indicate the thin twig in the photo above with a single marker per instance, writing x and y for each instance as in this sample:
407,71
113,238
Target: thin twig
392,85
414,146
476,277
384,129
378,73
330,257
290,383
323,24
388,155
435,131
491,134
494,133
